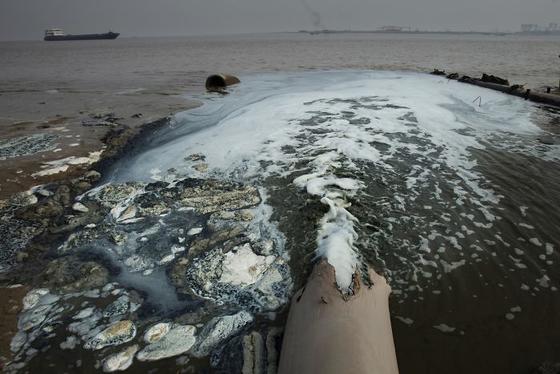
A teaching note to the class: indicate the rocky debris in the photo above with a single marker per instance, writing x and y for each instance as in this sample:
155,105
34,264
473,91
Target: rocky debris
70,343
91,320
516,87
33,297
219,237
196,157
87,326
218,330
23,199
10,308
37,321
453,76
236,215
201,168
273,343
548,368
177,340
27,145
200,314
79,207
546,139
43,192
242,266
120,361
194,231
238,276
97,123
156,332
438,72
28,219
16,231
70,274
106,119
204,232
253,354
116,334
111,195
119,307
37,305
494,79
84,313
214,196
128,214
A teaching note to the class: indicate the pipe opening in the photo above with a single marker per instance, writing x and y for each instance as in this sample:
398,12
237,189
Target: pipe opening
220,81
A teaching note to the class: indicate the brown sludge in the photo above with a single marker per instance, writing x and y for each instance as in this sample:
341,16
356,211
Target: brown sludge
327,334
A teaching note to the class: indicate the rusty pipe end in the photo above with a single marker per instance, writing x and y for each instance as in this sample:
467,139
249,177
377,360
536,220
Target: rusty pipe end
218,82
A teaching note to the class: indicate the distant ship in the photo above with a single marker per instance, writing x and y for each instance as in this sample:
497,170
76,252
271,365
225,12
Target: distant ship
58,34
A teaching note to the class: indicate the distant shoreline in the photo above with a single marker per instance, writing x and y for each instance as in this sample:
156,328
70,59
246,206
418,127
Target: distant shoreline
427,32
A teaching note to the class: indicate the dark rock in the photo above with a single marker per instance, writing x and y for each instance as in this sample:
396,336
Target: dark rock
21,256
548,368
92,176
97,123
438,72
81,186
453,76
198,315
547,139
465,79
62,195
494,79
72,223
69,274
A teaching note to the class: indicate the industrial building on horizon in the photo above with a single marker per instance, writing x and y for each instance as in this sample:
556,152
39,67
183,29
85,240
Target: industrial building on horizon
552,27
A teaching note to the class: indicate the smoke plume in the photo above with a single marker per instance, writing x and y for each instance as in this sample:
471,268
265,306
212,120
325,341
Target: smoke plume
315,16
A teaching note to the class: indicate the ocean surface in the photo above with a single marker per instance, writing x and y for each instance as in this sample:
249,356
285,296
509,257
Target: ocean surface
358,157
134,62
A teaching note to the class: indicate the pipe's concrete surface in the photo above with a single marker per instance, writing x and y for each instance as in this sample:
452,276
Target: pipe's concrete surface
329,334
218,82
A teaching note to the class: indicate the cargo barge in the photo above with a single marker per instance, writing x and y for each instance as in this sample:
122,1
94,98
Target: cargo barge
59,35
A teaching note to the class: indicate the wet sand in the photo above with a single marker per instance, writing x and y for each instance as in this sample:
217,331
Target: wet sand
63,117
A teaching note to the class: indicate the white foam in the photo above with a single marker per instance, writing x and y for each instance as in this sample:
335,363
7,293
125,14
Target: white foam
335,242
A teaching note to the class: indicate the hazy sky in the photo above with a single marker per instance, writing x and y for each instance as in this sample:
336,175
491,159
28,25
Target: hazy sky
27,19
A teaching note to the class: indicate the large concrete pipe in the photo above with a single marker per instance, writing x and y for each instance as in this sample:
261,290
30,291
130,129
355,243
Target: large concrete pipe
218,82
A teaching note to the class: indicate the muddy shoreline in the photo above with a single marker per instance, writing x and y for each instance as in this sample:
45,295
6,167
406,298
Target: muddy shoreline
56,197
77,180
